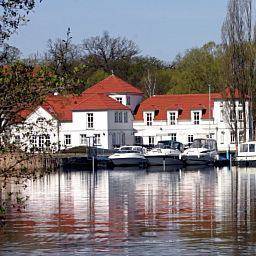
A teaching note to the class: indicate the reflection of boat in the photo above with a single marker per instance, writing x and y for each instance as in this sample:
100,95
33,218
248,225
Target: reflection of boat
166,152
196,168
201,151
129,156
169,168
246,155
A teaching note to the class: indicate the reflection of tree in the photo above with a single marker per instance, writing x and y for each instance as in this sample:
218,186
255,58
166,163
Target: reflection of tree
111,209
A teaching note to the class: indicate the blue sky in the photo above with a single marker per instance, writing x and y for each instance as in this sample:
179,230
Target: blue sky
161,28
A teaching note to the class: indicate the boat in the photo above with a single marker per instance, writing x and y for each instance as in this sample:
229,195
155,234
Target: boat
166,152
246,155
201,151
129,156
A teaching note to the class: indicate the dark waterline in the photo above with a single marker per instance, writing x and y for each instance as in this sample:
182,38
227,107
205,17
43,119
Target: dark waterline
136,212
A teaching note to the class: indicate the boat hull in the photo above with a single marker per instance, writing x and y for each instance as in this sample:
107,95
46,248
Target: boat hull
163,159
198,160
129,161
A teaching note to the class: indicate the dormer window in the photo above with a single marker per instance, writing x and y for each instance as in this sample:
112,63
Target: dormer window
196,117
172,118
119,99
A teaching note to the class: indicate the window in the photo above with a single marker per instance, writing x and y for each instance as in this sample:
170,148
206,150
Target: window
128,100
116,117
244,148
17,139
232,137
210,136
40,120
196,116
123,139
90,120
240,116
120,117
138,140
172,118
149,119
151,140
41,141
251,147
33,141
67,139
222,137
241,136
190,138
97,139
114,139
119,99
83,139
125,117
47,141
232,115
221,115
173,136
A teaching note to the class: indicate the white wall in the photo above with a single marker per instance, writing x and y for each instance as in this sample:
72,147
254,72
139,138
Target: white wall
32,128
218,127
104,124
135,99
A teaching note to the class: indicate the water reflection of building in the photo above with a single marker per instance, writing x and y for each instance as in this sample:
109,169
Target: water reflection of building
116,207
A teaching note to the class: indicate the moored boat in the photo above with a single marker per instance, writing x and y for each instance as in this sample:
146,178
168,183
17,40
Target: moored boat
246,155
129,156
165,153
201,151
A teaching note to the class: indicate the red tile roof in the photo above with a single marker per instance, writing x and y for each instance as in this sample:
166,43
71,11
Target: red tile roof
183,103
61,107
113,84
98,102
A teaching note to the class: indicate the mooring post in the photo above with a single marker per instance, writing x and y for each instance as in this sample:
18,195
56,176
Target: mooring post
93,165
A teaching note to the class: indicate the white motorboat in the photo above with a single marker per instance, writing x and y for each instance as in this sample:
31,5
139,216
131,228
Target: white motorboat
129,156
201,151
246,155
165,153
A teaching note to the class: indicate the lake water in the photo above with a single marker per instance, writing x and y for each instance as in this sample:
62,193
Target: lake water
136,212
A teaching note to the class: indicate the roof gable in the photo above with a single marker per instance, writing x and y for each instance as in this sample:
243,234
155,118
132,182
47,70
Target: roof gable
113,84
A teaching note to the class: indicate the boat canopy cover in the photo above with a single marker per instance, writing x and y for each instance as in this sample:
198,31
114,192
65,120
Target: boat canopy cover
204,143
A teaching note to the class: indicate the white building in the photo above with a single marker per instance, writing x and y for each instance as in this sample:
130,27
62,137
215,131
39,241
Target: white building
186,117
100,116
110,114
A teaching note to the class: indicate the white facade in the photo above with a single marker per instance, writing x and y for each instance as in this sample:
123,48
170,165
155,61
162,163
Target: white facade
149,131
95,128
103,133
38,132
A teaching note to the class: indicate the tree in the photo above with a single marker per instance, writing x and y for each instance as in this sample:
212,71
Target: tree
150,83
14,13
107,52
9,54
238,36
199,67
62,54
21,88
